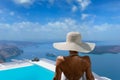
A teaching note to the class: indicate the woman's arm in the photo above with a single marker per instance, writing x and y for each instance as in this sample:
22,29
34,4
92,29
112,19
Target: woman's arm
58,71
89,74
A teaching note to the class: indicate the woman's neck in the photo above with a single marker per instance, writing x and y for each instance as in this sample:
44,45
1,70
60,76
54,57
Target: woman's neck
73,53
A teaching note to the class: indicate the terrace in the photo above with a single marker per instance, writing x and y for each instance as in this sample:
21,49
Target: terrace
49,65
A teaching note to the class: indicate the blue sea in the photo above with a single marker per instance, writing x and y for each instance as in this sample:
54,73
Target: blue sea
106,64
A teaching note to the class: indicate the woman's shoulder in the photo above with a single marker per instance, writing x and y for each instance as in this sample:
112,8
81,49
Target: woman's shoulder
59,60
86,58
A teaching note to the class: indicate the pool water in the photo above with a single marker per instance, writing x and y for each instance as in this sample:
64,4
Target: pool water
33,72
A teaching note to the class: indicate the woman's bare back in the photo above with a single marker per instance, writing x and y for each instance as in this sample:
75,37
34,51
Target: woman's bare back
74,67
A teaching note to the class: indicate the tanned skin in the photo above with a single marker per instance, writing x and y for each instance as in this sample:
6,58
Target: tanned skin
73,67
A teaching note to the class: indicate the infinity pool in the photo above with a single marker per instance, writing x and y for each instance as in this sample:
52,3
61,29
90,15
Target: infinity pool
33,72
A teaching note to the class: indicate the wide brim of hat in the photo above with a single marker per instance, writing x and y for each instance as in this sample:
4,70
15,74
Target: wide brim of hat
80,47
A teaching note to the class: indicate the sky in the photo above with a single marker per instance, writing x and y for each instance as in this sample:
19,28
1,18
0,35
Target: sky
48,20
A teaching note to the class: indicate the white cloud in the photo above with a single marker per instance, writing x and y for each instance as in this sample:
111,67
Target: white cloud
68,1
58,30
103,27
78,4
79,0
30,30
84,16
51,1
12,13
74,8
83,3
1,11
2,18
24,2
88,18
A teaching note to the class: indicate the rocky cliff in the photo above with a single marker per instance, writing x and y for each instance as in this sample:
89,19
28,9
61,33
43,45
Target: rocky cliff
8,51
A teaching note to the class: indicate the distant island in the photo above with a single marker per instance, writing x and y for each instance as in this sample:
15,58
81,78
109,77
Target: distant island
51,55
8,51
114,49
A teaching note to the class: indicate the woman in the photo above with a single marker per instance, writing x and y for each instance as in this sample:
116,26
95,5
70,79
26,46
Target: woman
74,66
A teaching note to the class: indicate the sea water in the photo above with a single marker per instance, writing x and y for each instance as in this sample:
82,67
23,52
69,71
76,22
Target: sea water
106,64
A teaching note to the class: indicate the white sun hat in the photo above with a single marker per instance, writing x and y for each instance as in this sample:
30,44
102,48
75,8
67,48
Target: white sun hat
74,43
